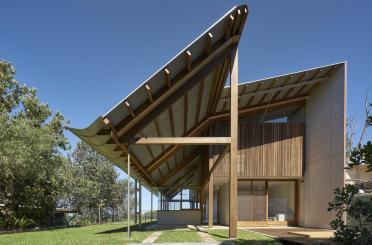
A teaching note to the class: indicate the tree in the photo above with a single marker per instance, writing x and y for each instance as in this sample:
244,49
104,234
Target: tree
94,181
31,137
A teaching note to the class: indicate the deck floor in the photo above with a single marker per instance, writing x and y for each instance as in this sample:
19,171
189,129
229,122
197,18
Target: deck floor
297,235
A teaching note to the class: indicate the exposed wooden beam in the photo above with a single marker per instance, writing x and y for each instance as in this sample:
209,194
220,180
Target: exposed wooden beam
215,165
171,150
178,168
171,120
300,91
224,106
148,147
234,117
202,67
149,94
244,17
157,128
299,82
315,74
249,102
185,110
252,110
198,105
287,80
160,173
180,180
137,164
238,20
229,25
167,77
183,181
177,141
262,98
280,88
223,78
180,186
331,70
215,84
208,43
127,105
210,189
188,60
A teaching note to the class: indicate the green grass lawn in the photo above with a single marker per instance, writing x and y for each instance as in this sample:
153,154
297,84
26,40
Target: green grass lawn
244,237
179,236
111,233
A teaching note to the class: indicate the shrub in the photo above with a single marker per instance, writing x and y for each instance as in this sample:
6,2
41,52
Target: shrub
347,203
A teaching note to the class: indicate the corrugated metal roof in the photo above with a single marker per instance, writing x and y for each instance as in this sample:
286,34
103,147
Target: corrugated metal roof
182,103
195,71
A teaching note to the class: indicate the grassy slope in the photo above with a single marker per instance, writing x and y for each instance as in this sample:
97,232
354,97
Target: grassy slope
179,236
112,233
244,237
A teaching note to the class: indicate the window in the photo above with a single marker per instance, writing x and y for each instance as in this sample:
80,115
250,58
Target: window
281,196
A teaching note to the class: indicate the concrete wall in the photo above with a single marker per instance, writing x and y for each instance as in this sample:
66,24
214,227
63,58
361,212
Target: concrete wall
178,217
324,149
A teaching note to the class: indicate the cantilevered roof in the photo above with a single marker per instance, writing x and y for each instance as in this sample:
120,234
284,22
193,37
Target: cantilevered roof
157,106
183,98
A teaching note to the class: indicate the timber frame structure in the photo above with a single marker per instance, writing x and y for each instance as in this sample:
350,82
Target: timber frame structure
164,132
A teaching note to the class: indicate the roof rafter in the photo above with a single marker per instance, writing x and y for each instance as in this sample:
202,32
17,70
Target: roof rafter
172,94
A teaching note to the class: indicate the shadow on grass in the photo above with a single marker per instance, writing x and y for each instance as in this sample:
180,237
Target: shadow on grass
135,227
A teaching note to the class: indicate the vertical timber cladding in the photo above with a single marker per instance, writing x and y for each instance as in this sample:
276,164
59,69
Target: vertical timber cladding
264,149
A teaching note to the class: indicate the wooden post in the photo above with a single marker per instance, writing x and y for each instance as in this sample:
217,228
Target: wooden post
135,201
140,202
202,197
233,214
181,200
128,198
151,209
210,190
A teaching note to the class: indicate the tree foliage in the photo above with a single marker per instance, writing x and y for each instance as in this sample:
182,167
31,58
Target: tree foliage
31,137
93,182
347,203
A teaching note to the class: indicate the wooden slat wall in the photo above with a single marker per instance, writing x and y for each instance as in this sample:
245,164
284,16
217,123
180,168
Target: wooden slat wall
265,149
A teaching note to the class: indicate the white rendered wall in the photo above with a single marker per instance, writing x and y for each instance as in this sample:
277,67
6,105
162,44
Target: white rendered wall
324,149
178,217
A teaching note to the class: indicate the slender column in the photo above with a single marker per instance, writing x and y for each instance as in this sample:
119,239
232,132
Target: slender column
151,208
140,202
202,197
233,215
135,200
210,190
181,201
128,198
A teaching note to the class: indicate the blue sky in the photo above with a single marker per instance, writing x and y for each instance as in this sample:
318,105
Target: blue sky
85,56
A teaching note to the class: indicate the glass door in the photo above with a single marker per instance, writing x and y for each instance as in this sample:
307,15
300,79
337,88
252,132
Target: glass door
252,201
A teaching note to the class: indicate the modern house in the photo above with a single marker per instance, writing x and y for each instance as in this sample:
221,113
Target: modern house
267,152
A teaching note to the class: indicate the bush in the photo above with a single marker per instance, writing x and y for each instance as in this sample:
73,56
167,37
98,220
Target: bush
347,203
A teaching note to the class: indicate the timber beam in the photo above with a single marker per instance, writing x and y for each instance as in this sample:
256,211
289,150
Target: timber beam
178,167
179,84
176,141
